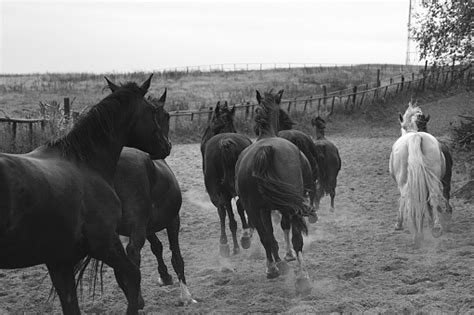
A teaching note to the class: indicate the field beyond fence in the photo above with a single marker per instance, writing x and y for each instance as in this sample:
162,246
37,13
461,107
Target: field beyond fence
23,134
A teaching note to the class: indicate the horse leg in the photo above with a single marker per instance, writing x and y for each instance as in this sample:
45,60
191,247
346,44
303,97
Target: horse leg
224,246
232,225
285,226
437,229
399,224
245,240
126,272
134,246
302,285
282,266
272,270
157,250
177,260
62,277
332,194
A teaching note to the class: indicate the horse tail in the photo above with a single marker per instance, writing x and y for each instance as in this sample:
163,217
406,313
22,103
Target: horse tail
422,187
228,156
95,272
284,197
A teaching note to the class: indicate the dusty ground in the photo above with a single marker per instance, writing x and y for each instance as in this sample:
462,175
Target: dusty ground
357,262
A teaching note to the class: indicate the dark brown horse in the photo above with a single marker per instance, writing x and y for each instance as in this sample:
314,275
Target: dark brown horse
151,200
421,123
331,163
221,145
269,176
58,204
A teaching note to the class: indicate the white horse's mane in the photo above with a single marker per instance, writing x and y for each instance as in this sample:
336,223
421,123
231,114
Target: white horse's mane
409,118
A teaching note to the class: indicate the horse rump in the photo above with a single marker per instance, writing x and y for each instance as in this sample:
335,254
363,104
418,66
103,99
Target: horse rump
281,196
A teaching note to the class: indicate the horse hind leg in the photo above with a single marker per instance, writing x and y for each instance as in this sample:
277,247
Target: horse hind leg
126,272
157,250
256,219
178,262
273,259
303,284
232,225
224,249
245,240
399,223
286,225
62,277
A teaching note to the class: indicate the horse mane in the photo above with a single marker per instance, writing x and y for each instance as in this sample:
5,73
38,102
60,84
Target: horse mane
410,117
263,117
95,127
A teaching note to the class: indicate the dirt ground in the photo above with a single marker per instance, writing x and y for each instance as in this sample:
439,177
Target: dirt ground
356,261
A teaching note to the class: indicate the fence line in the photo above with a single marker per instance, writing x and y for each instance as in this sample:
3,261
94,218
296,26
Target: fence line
346,99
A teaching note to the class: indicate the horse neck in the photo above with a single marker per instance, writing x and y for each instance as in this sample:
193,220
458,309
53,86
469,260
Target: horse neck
97,141
320,134
271,127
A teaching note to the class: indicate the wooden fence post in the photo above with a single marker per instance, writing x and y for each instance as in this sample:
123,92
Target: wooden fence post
14,126
30,133
67,109
378,78
401,83
289,107
209,116
247,111
354,91
325,94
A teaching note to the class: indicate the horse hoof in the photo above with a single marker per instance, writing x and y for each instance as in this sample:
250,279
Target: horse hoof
332,209
236,250
283,267
313,218
303,286
224,250
141,302
290,256
165,280
245,242
436,231
272,272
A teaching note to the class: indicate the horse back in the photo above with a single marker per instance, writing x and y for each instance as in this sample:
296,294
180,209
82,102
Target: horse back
220,157
306,145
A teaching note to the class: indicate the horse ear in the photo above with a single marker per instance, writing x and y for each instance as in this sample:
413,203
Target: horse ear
232,111
427,118
218,107
279,94
111,85
313,121
163,97
146,85
259,97
400,117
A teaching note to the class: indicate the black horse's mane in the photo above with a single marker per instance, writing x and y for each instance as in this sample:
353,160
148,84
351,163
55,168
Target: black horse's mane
96,126
284,120
268,105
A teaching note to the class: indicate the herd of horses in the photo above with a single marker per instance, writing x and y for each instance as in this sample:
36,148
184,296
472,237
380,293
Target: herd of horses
65,203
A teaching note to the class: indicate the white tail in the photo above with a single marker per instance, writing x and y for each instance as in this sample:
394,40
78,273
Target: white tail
423,188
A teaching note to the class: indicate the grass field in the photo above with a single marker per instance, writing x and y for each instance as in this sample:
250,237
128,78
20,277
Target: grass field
21,94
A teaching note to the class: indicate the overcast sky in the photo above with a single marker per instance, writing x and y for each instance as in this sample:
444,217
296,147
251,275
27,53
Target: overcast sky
106,36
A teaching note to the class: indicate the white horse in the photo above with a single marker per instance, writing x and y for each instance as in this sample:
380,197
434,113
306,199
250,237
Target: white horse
417,165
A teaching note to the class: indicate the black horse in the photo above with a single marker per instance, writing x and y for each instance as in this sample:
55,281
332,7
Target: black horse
311,177
58,205
221,145
331,162
269,176
421,123
151,200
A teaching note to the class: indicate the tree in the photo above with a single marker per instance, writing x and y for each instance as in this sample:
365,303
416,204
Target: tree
443,31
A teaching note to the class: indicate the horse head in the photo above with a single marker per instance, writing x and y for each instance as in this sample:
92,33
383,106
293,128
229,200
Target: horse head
268,111
149,125
222,119
409,118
